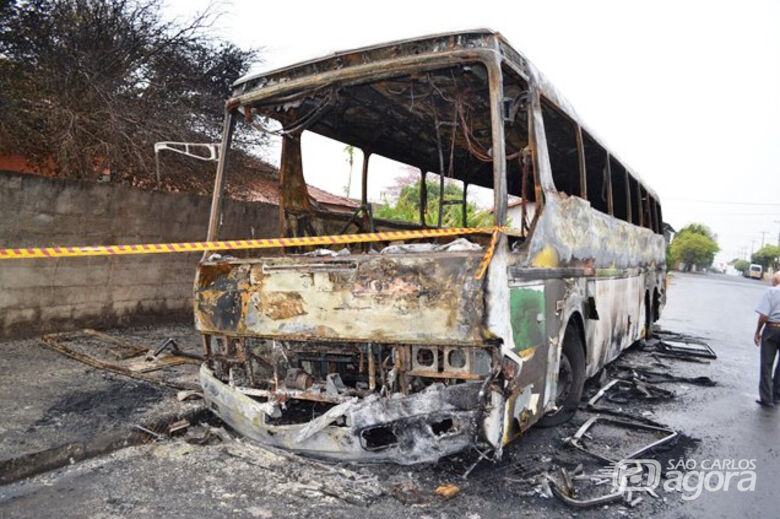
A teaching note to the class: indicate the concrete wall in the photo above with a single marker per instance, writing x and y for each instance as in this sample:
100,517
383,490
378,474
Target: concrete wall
44,295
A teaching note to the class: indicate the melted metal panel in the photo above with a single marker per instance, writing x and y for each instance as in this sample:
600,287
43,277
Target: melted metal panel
411,420
413,298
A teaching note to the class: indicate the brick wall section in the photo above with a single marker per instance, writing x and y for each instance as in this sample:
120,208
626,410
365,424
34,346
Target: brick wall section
44,295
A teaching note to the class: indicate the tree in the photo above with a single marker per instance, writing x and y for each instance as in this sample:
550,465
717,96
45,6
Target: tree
350,151
697,228
407,206
693,245
741,265
89,85
767,256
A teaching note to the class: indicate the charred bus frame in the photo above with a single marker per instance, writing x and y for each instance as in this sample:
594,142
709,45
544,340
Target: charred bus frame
404,355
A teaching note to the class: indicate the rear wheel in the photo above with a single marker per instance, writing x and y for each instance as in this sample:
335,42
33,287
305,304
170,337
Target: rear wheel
571,379
649,316
656,305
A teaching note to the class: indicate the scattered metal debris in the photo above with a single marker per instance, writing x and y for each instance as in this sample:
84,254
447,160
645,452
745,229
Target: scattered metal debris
656,377
681,346
568,487
178,426
576,441
189,394
407,493
624,384
601,392
628,390
208,437
150,432
171,344
285,472
482,456
566,494
103,351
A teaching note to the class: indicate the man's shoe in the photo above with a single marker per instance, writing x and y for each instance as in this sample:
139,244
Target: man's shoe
764,404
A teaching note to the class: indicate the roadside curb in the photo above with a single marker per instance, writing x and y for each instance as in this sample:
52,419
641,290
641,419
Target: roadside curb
32,464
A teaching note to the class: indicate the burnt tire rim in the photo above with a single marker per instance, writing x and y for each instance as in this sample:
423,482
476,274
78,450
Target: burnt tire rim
565,381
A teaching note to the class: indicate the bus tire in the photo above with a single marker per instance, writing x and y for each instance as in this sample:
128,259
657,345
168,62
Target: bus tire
649,317
571,379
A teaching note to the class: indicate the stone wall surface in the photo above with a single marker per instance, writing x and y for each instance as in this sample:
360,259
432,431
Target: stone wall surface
44,295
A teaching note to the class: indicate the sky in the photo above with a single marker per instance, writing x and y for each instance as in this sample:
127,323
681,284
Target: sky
686,93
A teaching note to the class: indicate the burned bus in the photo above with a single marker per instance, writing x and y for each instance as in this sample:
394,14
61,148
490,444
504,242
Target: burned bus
395,350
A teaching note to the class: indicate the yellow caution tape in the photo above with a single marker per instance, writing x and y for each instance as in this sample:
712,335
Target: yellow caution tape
483,265
268,243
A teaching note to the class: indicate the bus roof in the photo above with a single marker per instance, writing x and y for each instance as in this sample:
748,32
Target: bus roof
315,70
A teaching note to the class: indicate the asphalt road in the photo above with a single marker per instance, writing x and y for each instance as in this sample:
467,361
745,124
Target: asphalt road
229,479
728,421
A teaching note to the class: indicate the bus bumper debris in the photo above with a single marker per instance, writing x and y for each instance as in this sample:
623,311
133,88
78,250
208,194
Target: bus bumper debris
405,429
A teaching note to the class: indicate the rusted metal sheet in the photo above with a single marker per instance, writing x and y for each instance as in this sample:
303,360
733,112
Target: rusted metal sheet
407,298
92,347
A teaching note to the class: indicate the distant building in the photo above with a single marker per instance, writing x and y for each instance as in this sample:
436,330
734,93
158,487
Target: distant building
669,232
514,211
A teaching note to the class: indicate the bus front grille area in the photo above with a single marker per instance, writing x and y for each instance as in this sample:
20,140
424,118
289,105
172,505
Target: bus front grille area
370,402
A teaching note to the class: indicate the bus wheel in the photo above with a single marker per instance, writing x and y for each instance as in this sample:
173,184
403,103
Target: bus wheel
571,379
649,318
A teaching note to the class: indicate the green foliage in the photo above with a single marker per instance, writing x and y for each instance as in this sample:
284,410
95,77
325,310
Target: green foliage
767,256
693,246
407,207
741,265
697,228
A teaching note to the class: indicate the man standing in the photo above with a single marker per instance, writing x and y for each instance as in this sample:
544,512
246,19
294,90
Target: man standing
769,319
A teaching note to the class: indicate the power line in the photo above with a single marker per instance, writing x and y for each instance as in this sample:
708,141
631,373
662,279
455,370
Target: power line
749,214
727,212
720,202
763,235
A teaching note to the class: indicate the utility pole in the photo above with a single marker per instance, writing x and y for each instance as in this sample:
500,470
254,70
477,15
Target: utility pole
778,233
763,234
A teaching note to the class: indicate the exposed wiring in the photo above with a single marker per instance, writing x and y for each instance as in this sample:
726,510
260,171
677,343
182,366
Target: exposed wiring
308,119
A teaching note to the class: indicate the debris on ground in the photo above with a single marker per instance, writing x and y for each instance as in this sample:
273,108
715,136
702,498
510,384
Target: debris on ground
285,472
447,491
565,490
171,344
177,369
679,346
649,376
189,394
407,493
617,429
585,439
615,423
178,426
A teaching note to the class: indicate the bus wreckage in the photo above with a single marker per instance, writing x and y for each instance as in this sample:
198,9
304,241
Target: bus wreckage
394,350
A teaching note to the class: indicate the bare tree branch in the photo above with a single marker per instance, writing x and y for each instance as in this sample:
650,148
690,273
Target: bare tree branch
93,84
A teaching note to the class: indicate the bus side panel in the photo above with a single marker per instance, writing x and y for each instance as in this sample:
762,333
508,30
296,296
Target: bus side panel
536,326
620,307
